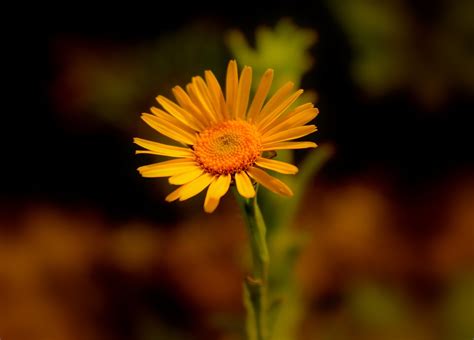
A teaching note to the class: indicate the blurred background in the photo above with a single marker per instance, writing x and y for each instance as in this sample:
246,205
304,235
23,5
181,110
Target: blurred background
379,243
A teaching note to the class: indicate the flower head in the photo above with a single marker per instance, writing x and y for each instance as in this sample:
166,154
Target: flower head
223,138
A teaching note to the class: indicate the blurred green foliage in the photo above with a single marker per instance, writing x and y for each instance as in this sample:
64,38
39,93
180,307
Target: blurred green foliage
458,308
377,308
109,83
286,242
373,310
152,329
394,49
283,48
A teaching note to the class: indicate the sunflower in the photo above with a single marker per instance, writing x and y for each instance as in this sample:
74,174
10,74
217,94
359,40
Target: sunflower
224,141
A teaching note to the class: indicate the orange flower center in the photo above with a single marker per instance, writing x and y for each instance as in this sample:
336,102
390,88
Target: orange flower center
228,147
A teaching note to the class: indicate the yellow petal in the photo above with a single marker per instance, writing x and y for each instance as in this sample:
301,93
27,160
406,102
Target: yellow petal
271,183
199,102
231,85
211,202
244,185
169,129
288,145
216,190
203,96
260,95
278,166
278,111
162,149
167,168
290,134
195,187
222,185
179,113
173,196
184,101
280,95
301,108
175,123
172,161
284,117
295,111
216,94
243,93
291,121
185,177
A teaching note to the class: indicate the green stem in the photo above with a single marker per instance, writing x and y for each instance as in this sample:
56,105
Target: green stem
256,285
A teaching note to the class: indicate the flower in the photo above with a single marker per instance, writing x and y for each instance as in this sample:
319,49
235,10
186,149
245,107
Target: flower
223,139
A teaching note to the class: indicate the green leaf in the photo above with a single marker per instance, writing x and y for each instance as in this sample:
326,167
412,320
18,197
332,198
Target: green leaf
283,48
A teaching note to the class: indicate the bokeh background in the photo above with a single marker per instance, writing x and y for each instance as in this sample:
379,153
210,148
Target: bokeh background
381,244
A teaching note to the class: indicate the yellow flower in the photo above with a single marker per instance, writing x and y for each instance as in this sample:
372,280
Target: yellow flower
224,139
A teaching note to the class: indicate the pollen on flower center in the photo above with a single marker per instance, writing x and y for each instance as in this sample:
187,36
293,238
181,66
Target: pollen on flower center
228,147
